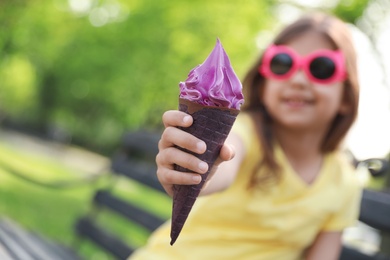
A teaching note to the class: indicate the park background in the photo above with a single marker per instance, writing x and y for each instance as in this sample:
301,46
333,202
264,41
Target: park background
81,73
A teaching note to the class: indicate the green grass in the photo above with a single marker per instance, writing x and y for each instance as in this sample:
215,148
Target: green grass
53,211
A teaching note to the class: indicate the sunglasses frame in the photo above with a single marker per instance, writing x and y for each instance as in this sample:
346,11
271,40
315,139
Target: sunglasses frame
303,62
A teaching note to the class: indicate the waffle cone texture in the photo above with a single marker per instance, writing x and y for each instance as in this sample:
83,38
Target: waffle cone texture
212,125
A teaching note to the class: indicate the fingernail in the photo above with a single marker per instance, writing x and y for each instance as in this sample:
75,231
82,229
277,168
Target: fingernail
186,119
196,178
203,166
201,146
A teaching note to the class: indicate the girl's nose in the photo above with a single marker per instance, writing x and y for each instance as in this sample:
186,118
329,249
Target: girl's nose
299,78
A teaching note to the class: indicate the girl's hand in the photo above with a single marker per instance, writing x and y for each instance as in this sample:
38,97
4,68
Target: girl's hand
169,154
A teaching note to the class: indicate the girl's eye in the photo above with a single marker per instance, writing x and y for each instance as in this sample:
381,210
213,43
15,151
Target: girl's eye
322,68
281,63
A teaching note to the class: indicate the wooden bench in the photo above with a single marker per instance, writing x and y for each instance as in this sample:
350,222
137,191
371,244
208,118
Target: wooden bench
17,243
135,161
374,212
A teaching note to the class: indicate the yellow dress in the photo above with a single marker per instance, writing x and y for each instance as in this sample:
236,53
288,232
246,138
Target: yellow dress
276,223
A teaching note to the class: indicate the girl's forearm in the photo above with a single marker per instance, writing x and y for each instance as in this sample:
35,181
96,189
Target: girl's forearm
326,246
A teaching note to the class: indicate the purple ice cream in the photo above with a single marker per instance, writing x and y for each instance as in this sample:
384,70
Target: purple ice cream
212,95
214,82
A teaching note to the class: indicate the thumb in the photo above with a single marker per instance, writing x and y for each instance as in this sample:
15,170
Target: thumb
227,152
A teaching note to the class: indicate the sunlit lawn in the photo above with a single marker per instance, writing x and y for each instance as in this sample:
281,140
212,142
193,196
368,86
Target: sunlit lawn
53,211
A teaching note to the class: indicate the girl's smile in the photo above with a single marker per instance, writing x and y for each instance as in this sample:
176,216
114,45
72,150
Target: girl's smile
297,101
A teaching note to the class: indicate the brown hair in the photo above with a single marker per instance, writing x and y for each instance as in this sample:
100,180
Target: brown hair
337,32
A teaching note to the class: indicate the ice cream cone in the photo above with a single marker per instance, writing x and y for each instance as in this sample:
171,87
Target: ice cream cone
212,125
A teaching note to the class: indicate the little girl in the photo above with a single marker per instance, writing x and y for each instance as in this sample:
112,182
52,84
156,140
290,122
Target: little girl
281,188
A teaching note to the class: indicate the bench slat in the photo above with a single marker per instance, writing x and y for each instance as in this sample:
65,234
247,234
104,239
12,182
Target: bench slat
13,247
144,173
87,228
375,209
24,245
348,253
134,213
4,254
142,143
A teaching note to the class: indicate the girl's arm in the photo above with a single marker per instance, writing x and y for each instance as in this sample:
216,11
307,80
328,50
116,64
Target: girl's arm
326,246
169,155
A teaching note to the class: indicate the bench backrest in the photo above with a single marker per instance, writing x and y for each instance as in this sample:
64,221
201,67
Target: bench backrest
375,204
374,212
135,161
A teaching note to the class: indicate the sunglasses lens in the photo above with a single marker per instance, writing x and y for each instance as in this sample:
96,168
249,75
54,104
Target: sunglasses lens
281,64
322,68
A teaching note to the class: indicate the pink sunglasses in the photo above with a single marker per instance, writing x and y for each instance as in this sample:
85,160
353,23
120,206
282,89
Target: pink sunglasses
323,66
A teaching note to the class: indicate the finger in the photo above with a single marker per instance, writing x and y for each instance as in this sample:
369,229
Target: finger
176,118
171,156
169,177
173,136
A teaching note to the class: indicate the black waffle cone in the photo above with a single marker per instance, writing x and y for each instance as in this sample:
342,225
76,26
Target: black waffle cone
212,125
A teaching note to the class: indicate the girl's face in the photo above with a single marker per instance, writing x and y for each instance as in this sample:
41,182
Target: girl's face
297,102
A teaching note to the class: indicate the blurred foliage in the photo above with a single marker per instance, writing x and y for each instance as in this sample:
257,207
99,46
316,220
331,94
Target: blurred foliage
350,10
88,70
